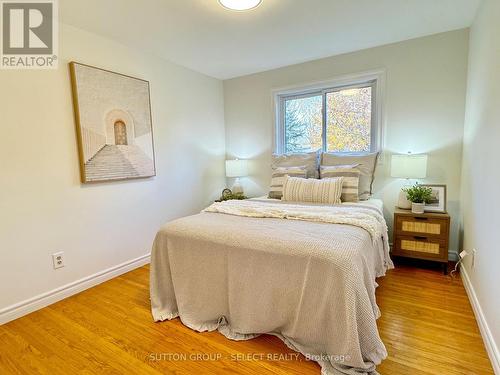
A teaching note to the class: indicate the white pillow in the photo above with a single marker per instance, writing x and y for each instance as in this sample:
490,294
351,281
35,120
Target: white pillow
312,190
307,159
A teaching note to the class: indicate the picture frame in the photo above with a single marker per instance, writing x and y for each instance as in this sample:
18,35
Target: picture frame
438,204
113,124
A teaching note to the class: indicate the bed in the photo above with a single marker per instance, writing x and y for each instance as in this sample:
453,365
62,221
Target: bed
302,272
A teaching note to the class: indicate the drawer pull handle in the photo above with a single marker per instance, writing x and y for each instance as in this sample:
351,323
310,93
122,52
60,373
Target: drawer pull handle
420,238
420,218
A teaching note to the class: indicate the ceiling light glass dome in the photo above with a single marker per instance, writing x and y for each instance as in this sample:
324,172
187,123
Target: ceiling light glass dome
240,4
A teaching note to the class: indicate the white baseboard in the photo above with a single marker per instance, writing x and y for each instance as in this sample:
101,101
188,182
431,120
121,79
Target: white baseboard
42,300
488,339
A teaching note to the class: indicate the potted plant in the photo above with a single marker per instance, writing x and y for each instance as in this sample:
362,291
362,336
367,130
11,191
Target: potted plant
227,195
418,195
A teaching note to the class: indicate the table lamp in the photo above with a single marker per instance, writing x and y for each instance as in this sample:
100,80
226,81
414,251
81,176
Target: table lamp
408,166
235,169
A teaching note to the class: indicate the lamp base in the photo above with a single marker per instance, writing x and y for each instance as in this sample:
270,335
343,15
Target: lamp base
403,203
237,188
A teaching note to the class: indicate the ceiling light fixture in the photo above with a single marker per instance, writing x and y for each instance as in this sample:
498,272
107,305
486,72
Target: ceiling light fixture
240,4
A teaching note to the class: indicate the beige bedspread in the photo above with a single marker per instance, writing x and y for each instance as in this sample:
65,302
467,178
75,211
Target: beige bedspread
270,269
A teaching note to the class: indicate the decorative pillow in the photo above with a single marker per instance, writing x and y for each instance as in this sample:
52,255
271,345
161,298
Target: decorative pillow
327,190
350,173
366,165
308,159
276,190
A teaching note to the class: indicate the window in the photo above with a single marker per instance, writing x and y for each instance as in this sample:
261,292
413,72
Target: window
342,117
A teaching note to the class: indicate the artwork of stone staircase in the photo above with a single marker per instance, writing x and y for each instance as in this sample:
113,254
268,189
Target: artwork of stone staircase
115,162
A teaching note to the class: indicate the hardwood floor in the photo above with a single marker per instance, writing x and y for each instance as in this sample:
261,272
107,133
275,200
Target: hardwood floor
427,325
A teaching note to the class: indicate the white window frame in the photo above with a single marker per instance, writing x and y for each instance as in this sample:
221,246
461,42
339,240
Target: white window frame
375,79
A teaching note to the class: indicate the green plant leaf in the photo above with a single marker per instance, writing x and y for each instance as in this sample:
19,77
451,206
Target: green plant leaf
418,194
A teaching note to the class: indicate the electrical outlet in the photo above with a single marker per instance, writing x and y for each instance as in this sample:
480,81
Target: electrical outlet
58,260
473,257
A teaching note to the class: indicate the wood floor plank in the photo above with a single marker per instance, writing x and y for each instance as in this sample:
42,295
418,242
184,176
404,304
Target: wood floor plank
427,325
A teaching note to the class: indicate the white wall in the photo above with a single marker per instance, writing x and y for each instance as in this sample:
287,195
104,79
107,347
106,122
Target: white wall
43,206
424,110
481,172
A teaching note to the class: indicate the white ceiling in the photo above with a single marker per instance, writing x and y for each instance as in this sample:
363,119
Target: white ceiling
205,37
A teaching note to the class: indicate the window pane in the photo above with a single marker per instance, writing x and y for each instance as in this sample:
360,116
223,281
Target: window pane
348,120
303,124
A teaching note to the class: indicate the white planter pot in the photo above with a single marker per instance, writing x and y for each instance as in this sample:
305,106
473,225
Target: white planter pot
417,208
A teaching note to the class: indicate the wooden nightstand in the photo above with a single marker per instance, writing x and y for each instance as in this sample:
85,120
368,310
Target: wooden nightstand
421,236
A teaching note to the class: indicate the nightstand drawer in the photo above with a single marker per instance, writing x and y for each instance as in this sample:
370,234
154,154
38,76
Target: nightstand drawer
421,225
422,247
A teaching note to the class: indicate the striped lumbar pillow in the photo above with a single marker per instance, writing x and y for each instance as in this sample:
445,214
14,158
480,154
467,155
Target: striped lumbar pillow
350,173
366,165
276,190
312,190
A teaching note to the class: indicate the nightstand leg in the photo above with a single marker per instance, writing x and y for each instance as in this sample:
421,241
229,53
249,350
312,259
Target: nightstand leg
445,268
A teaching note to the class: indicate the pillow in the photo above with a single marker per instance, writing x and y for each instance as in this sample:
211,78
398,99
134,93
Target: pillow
366,166
327,190
308,159
276,190
350,173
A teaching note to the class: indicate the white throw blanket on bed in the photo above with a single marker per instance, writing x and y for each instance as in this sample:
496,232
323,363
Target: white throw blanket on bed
303,273
366,217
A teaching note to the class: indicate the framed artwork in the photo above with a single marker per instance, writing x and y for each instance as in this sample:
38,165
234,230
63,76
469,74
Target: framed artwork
113,124
438,200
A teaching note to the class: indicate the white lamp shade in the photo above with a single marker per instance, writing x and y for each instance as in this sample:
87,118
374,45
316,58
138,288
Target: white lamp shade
409,166
236,168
